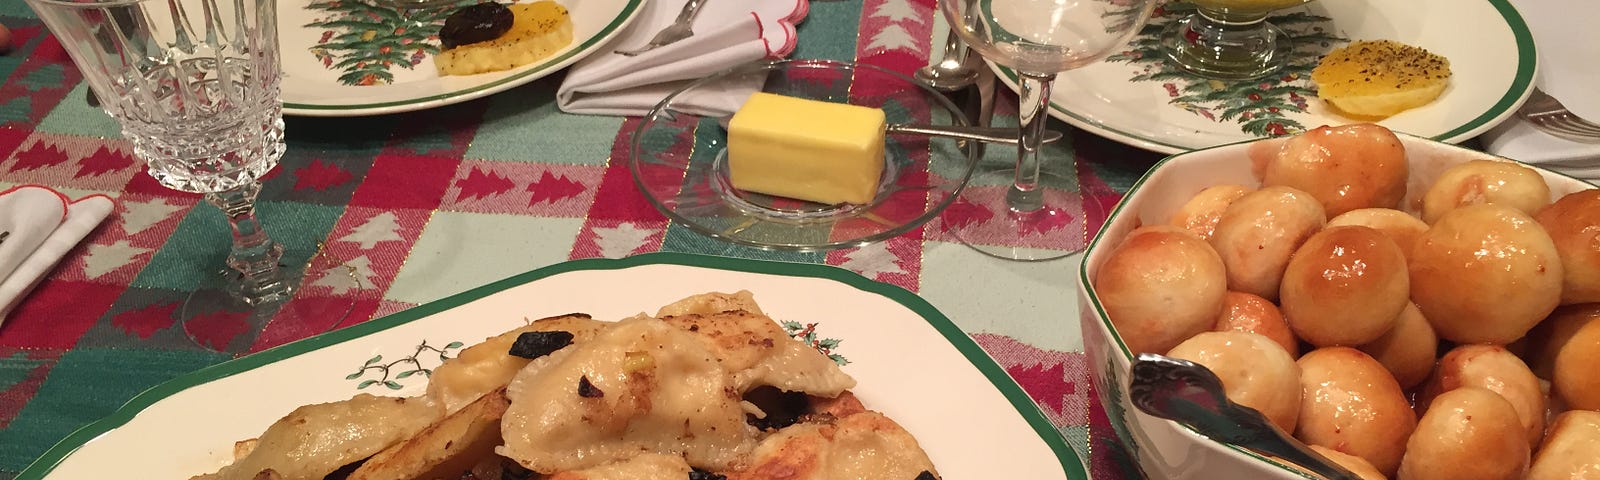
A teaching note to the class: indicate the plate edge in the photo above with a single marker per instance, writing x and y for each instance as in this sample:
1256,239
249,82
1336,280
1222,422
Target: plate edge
1071,463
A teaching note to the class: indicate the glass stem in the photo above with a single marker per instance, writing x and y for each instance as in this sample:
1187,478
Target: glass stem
1033,100
254,255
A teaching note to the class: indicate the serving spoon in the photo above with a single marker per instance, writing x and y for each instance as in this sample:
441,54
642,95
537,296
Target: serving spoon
1188,393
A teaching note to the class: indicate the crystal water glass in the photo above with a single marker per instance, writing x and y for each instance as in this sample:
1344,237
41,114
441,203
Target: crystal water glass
1038,39
1229,39
194,85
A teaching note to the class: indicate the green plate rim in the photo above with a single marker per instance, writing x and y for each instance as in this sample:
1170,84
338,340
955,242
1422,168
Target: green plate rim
1071,463
624,17
1521,85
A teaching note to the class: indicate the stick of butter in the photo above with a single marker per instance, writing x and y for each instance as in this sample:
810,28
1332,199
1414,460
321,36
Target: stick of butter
806,149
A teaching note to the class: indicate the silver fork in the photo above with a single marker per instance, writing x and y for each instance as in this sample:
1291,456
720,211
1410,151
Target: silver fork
679,30
1547,114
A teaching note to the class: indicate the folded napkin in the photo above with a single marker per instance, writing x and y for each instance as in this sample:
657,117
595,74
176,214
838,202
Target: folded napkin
40,226
727,33
1568,47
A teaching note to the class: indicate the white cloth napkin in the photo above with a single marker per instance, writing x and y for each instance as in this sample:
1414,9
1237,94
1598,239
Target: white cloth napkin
1569,66
727,33
44,225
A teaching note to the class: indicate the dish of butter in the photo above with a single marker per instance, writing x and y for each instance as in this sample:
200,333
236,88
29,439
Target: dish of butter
829,153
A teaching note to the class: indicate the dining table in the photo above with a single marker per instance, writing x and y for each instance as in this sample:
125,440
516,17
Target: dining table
420,205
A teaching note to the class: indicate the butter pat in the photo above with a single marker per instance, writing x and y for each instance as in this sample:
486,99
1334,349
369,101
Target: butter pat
806,149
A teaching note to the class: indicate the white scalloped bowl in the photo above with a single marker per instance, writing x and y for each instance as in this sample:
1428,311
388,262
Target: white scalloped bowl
1164,449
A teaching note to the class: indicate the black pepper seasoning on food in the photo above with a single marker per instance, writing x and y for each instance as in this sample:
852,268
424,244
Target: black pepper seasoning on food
588,390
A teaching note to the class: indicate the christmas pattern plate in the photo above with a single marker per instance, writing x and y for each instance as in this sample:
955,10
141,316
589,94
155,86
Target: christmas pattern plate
357,57
1137,97
910,362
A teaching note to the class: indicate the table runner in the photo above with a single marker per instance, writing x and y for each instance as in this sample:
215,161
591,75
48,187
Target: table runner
414,207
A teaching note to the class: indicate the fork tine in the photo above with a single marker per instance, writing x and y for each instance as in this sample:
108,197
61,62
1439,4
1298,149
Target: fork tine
1573,122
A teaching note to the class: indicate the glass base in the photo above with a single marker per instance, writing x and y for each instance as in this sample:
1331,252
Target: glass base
221,318
1226,51
1056,229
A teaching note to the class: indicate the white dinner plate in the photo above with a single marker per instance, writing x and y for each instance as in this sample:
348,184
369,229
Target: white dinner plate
350,58
911,363
1135,97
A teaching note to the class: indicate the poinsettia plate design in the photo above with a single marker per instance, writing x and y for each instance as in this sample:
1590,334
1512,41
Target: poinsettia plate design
1137,97
910,361
359,57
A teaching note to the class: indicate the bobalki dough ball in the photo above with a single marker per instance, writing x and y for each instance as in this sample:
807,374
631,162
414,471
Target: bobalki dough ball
1408,349
1571,451
1478,182
1254,370
1469,433
1243,312
1345,167
1573,223
1400,226
1200,214
1259,231
1577,372
1496,369
1354,464
1344,286
1351,404
1485,274
1544,343
1161,286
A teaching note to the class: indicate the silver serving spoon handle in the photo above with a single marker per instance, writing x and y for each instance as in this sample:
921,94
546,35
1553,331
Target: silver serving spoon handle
982,134
1188,393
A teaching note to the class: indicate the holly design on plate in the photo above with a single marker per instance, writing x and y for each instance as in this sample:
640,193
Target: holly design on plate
1262,106
389,374
366,41
807,334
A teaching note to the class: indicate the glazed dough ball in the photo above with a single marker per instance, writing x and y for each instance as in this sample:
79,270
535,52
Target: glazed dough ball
1259,231
1345,286
1492,368
1345,167
1485,181
1485,274
1574,225
1469,433
1546,340
1400,226
1577,372
1408,349
1255,372
1160,286
1200,214
1243,312
1350,403
1572,449
1354,464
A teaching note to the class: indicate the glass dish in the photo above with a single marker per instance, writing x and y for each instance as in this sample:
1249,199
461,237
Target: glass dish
679,158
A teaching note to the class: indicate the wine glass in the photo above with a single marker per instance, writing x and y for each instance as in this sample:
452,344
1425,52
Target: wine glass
1229,39
1037,39
194,85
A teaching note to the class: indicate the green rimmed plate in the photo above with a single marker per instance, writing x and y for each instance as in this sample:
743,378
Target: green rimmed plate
911,362
1135,97
346,58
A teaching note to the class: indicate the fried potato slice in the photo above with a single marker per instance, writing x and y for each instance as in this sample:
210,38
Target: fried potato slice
485,367
638,386
445,449
314,440
712,302
863,446
649,466
759,352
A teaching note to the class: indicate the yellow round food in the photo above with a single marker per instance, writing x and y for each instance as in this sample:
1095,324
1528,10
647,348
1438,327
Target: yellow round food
1380,78
540,29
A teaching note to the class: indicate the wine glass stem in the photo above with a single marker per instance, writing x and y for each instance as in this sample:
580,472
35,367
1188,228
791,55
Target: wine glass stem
254,255
1034,95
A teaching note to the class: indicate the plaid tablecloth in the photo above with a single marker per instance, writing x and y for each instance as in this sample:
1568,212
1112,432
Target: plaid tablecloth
430,203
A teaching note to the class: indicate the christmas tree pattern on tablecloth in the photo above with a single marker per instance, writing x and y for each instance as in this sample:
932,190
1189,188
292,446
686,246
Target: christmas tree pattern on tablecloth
364,40
1259,106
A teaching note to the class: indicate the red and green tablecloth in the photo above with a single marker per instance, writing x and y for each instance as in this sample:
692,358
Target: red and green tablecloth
425,204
